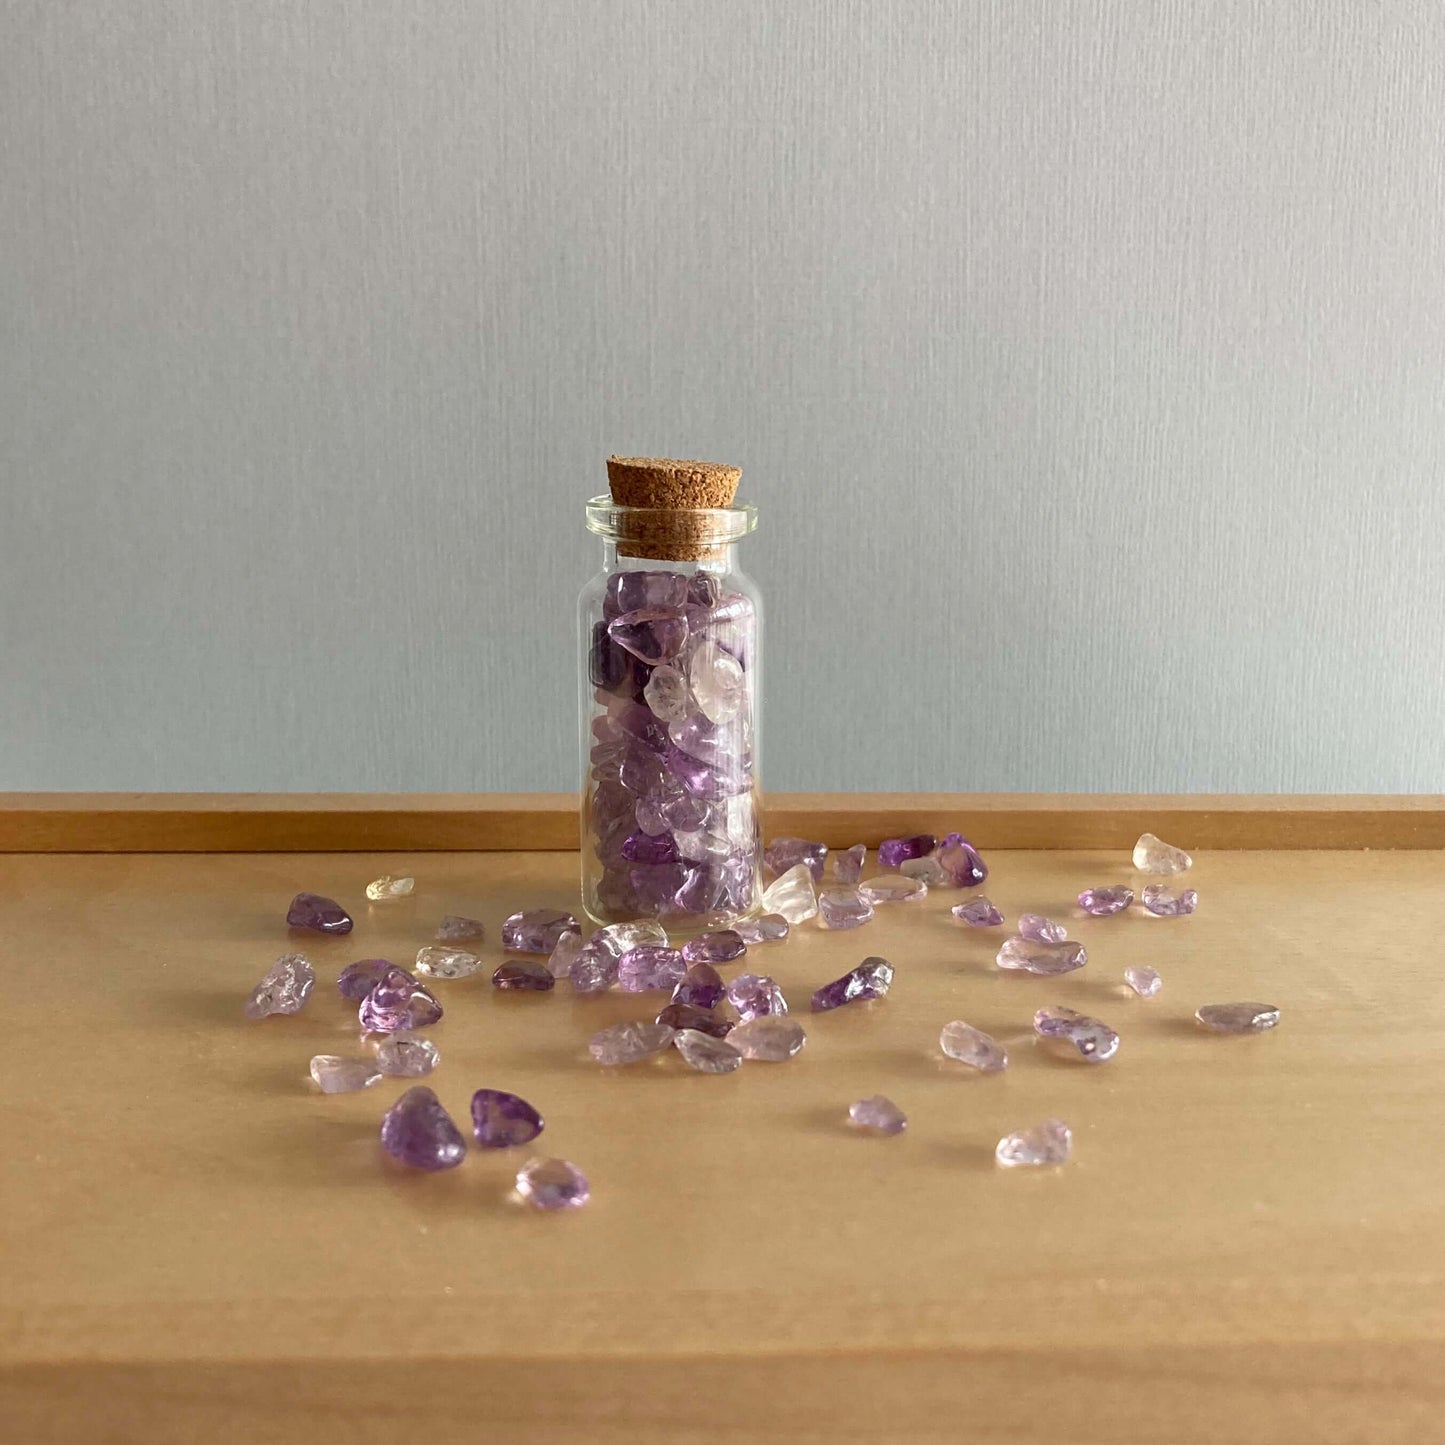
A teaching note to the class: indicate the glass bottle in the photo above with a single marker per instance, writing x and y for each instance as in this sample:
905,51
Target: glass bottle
671,636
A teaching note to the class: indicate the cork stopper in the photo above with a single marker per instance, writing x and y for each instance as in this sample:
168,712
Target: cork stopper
673,498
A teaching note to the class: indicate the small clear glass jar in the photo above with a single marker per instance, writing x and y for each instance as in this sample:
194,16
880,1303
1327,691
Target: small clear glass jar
670,707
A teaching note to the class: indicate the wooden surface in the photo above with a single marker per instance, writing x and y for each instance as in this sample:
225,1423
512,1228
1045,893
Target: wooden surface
352,822
195,1246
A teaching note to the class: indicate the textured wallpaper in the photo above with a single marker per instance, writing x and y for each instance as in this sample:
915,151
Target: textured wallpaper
1086,363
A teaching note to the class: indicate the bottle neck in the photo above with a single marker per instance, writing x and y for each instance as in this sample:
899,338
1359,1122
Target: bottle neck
719,559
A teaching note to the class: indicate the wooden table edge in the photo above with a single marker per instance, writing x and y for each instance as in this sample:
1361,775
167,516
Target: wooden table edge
526,822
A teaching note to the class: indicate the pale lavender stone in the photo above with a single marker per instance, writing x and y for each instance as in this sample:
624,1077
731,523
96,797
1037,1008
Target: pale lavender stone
502,1121
284,987
594,970
785,853
523,975
962,860
846,864
1104,902
552,1184
1093,1040
649,966
630,1042
892,888
640,847
454,928
649,817
973,1047
1164,903
358,979
642,589
536,930
719,779
705,1053
1238,1018
843,908
893,851
1034,956
1041,929
928,871
978,912
1144,980
642,774
870,980
767,928
650,634
405,1056
335,1075
701,986
398,1002
701,891
877,1115
706,742
684,813
417,1131
723,945
768,1038
755,995
682,1016
323,915
638,723
1045,1144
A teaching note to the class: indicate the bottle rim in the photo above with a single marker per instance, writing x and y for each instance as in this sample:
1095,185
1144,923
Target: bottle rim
705,526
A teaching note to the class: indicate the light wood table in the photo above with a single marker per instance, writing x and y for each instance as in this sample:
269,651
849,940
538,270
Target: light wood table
1248,1247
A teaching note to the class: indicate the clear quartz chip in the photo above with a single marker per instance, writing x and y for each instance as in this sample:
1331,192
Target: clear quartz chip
1238,1018
386,888
973,1047
1045,1144
1154,855
877,1114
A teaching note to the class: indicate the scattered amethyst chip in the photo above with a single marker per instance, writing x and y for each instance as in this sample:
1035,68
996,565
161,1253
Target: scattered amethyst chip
893,851
552,1184
649,966
523,975
978,912
398,1001
1104,902
417,1131
284,988
701,986
784,853
536,930
724,945
324,915
358,979
682,1016
501,1120
962,861
755,995
767,928
871,979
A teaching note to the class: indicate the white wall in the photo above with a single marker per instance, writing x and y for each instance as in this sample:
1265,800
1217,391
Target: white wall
1086,361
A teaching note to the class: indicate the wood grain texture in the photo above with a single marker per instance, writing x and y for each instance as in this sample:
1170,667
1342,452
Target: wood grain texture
1083,362
351,822
1248,1245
